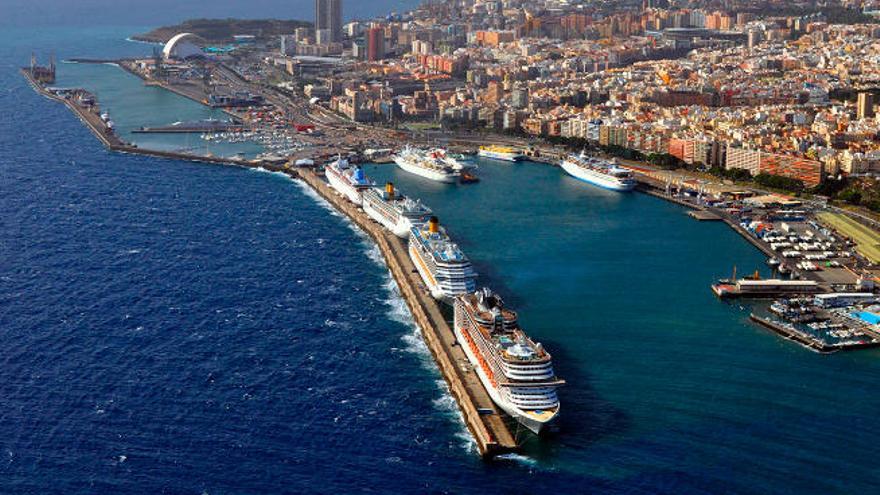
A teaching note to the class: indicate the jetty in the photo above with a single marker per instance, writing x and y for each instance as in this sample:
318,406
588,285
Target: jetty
484,420
791,332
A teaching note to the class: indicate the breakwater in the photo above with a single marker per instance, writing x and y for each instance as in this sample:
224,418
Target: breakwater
483,419
90,116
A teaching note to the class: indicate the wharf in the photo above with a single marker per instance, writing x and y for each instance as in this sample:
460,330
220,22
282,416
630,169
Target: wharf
704,216
189,129
805,339
489,430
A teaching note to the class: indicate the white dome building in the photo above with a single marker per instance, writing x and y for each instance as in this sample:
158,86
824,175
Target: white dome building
181,47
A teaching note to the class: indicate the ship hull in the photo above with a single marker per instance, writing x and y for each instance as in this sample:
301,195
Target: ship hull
535,426
344,187
434,175
499,156
595,178
400,228
433,287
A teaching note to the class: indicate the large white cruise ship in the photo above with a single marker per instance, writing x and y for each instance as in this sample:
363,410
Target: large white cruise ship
350,181
517,372
599,172
443,267
394,211
503,153
444,156
427,165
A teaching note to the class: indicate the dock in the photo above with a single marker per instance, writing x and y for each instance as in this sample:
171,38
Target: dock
792,333
484,420
191,129
704,216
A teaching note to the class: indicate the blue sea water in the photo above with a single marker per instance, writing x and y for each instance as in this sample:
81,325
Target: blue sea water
178,328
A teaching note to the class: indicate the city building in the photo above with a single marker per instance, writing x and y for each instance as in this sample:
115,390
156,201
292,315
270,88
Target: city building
865,106
375,43
328,18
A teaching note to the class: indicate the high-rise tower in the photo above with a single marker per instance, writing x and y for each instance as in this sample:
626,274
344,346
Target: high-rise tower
328,20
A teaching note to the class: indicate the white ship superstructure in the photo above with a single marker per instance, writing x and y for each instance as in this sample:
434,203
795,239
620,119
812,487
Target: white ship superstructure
599,172
444,268
395,212
427,165
517,372
444,156
503,153
348,180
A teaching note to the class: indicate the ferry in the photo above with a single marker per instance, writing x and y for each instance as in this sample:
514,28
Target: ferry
428,165
394,211
348,180
599,172
517,372
444,268
504,153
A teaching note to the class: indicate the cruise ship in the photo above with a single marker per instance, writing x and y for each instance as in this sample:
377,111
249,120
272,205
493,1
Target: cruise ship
599,172
446,271
427,165
444,156
394,211
503,153
348,180
517,372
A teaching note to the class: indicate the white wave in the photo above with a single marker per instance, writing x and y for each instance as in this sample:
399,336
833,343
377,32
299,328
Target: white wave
311,193
518,458
262,170
143,42
448,405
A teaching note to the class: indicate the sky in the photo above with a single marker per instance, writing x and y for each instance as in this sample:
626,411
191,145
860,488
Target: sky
39,13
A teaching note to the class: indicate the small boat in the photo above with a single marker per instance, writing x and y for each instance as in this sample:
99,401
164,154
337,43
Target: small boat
468,178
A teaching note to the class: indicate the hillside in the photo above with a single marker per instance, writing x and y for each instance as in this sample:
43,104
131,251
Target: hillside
222,30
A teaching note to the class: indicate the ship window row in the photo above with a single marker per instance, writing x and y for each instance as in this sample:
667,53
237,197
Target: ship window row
535,400
545,395
532,367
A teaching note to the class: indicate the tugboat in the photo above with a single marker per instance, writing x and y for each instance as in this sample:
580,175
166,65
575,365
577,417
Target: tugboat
468,178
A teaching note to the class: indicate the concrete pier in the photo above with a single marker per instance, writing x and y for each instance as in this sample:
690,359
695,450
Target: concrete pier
806,339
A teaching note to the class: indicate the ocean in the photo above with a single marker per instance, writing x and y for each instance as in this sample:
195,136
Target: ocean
171,327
